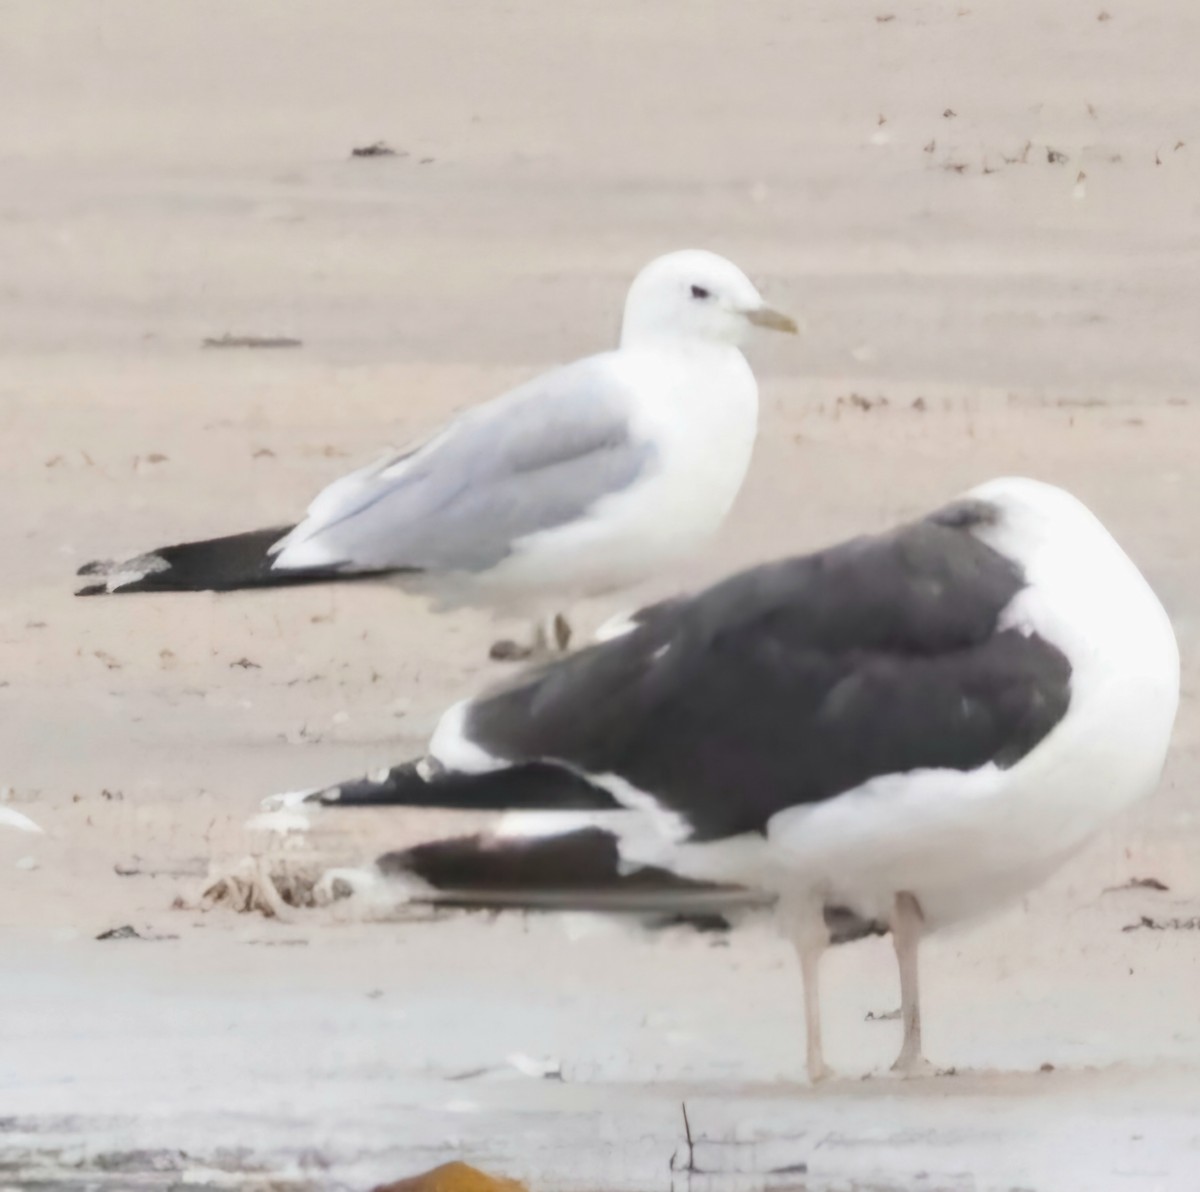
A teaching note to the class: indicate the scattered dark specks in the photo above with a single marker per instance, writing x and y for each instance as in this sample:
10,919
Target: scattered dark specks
1138,883
120,933
108,660
1103,15
35,624
882,120
426,161
1179,145
156,457
919,405
245,664
884,17
55,461
1091,110
373,994
1056,157
949,114
859,402
112,796
882,1016
931,147
790,1169
263,453
1046,1067
251,341
957,167
1157,158
1021,158
377,149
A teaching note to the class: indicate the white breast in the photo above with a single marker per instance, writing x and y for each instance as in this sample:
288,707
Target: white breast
699,409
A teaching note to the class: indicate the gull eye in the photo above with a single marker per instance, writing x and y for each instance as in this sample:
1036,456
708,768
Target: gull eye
700,292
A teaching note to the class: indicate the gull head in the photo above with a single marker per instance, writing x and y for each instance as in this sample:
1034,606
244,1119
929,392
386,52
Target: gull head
696,296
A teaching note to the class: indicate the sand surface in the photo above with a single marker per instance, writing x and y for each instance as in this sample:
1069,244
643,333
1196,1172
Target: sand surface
987,216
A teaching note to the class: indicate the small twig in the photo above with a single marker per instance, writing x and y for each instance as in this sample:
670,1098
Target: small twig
251,341
1192,924
690,1167
1138,883
882,1015
378,149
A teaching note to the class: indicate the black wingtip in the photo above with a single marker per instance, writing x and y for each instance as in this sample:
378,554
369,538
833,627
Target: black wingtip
92,589
530,786
95,567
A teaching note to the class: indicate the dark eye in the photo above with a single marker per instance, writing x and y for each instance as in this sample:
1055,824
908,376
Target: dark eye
700,292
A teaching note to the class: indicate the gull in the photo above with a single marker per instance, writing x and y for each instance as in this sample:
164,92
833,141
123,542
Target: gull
585,480
902,732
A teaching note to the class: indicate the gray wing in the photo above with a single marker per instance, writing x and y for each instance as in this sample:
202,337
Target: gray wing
537,457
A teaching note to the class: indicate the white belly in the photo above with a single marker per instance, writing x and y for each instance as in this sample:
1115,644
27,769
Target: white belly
966,843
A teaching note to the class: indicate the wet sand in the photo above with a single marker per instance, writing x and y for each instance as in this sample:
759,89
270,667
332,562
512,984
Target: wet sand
176,175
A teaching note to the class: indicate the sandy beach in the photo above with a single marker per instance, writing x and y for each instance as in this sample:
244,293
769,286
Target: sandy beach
986,217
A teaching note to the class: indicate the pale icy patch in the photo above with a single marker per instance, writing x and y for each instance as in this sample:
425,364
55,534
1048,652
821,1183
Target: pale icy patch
281,822
14,819
288,800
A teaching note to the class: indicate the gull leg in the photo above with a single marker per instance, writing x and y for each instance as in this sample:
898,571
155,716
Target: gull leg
550,639
907,925
513,651
810,938
560,633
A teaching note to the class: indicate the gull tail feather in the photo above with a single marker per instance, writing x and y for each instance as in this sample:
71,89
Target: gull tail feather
581,870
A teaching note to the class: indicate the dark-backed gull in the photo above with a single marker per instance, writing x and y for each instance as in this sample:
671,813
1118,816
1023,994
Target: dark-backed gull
898,733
